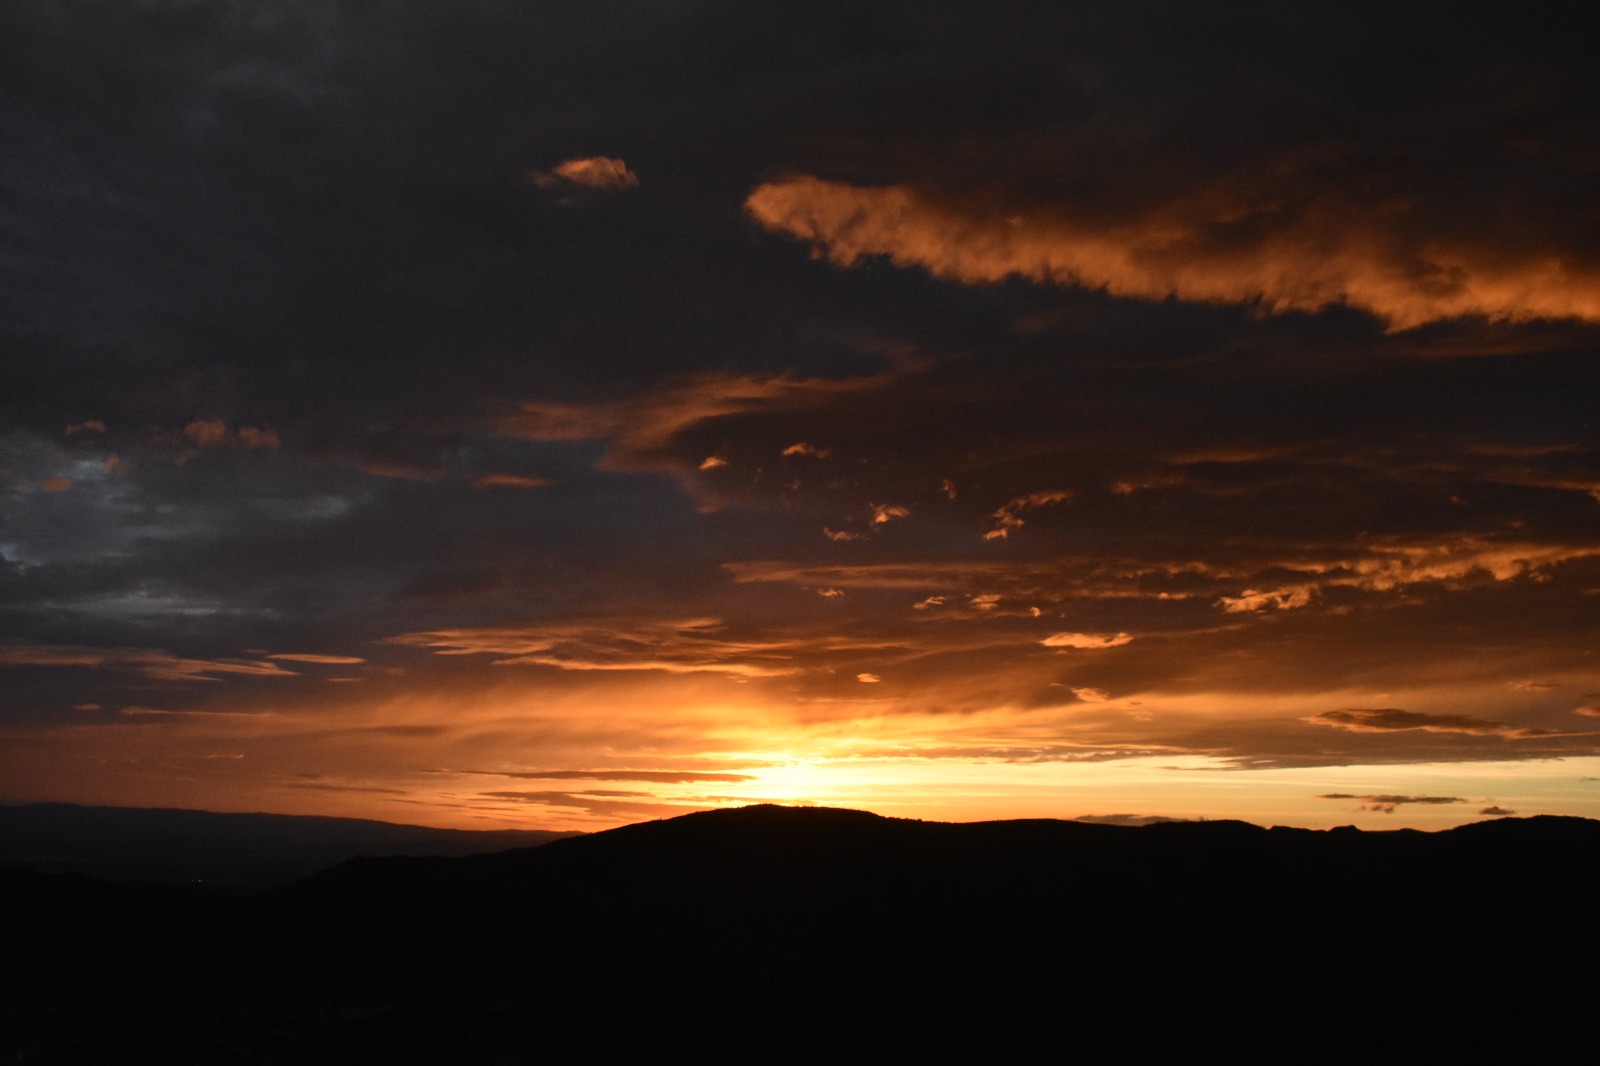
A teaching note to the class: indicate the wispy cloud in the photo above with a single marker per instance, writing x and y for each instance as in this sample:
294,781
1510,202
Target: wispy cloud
1387,803
1390,720
149,662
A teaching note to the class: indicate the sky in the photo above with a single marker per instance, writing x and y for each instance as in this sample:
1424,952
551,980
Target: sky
563,415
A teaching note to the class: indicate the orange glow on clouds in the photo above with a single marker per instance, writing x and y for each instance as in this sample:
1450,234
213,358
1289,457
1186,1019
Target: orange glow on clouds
1306,260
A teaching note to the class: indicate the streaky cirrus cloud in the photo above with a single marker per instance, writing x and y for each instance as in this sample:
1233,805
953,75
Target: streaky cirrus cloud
1248,244
509,481
658,777
1386,802
1127,819
147,662
684,646
641,427
1389,720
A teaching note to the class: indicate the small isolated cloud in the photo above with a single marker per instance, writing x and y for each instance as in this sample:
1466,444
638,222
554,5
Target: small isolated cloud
948,487
830,594
1091,695
256,437
1588,710
868,679
93,425
215,433
1283,599
1126,819
840,535
400,469
931,601
802,448
711,462
55,484
883,513
1009,517
986,602
509,481
1392,720
1496,811
311,657
1086,640
593,172
208,433
1386,802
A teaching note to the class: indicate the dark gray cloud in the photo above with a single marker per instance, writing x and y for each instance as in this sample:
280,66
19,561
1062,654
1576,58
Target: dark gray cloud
1126,819
1388,803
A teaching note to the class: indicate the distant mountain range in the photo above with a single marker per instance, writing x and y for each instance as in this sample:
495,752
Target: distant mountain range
787,934
156,845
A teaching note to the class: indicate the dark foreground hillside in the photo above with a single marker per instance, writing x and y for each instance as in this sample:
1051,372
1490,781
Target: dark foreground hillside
775,934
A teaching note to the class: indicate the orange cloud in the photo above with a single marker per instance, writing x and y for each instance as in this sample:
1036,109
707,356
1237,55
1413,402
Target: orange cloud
802,448
689,646
1086,640
1009,517
55,484
594,172
1389,720
1252,244
1283,599
509,481
643,427
214,433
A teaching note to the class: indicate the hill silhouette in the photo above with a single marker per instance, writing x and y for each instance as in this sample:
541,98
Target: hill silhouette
155,845
809,928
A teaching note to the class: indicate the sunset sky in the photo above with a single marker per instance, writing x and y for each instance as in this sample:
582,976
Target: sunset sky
493,414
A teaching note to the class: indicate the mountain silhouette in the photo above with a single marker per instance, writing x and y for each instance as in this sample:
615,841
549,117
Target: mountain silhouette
771,933
155,845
